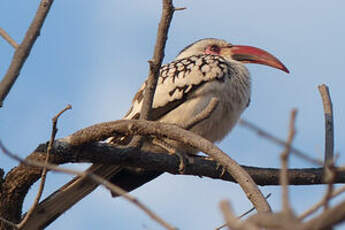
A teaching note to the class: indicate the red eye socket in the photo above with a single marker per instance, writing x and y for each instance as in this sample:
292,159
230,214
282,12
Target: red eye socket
213,49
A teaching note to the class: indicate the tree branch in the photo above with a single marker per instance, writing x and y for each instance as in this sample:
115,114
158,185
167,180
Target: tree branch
8,38
155,64
329,127
95,178
284,181
134,127
23,50
45,170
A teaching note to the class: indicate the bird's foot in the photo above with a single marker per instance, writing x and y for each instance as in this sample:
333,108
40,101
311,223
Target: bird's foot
221,167
184,159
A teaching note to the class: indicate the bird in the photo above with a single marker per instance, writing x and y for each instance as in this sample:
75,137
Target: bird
206,69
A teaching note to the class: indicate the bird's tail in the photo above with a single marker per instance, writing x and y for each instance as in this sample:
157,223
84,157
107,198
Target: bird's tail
68,195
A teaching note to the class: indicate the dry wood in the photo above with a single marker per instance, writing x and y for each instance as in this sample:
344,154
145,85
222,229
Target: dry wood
24,49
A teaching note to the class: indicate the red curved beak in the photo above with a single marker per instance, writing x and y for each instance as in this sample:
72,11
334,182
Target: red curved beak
250,54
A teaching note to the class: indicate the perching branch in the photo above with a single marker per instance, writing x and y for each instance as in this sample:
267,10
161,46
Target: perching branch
93,177
104,130
24,49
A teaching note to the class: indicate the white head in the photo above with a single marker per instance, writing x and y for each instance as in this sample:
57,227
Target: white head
244,54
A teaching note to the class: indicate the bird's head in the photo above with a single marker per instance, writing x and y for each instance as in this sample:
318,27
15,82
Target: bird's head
243,54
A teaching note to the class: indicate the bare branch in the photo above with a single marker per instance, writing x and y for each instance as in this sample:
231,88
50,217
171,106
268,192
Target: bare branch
328,218
44,171
135,127
8,38
158,55
23,50
95,178
244,214
155,64
284,159
9,223
321,203
329,127
232,221
265,134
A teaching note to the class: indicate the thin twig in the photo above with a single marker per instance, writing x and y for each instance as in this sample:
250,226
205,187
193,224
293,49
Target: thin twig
8,38
244,214
8,222
261,132
232,221
329,142
321,203
95,178
44,171
157,59
23,50
329,125
253,208
284,180
155,64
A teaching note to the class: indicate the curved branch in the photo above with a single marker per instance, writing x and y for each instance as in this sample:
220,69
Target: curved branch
130,127
19,179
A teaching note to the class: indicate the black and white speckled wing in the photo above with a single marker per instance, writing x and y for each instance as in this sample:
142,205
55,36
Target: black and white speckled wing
178,80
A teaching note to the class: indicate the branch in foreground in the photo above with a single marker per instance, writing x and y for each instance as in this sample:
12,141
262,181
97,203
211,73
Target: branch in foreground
157,59
284,159
63,152
23,50
75,145
45,170
134,127
155,64
93,177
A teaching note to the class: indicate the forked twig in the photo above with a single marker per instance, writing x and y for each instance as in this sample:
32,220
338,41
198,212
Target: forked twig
44,171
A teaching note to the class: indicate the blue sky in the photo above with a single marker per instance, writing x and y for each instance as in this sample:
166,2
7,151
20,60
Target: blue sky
94,56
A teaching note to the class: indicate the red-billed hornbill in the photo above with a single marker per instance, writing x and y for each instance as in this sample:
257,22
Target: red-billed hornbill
208,68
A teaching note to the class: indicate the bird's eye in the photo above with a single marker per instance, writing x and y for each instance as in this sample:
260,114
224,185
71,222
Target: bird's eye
215,48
